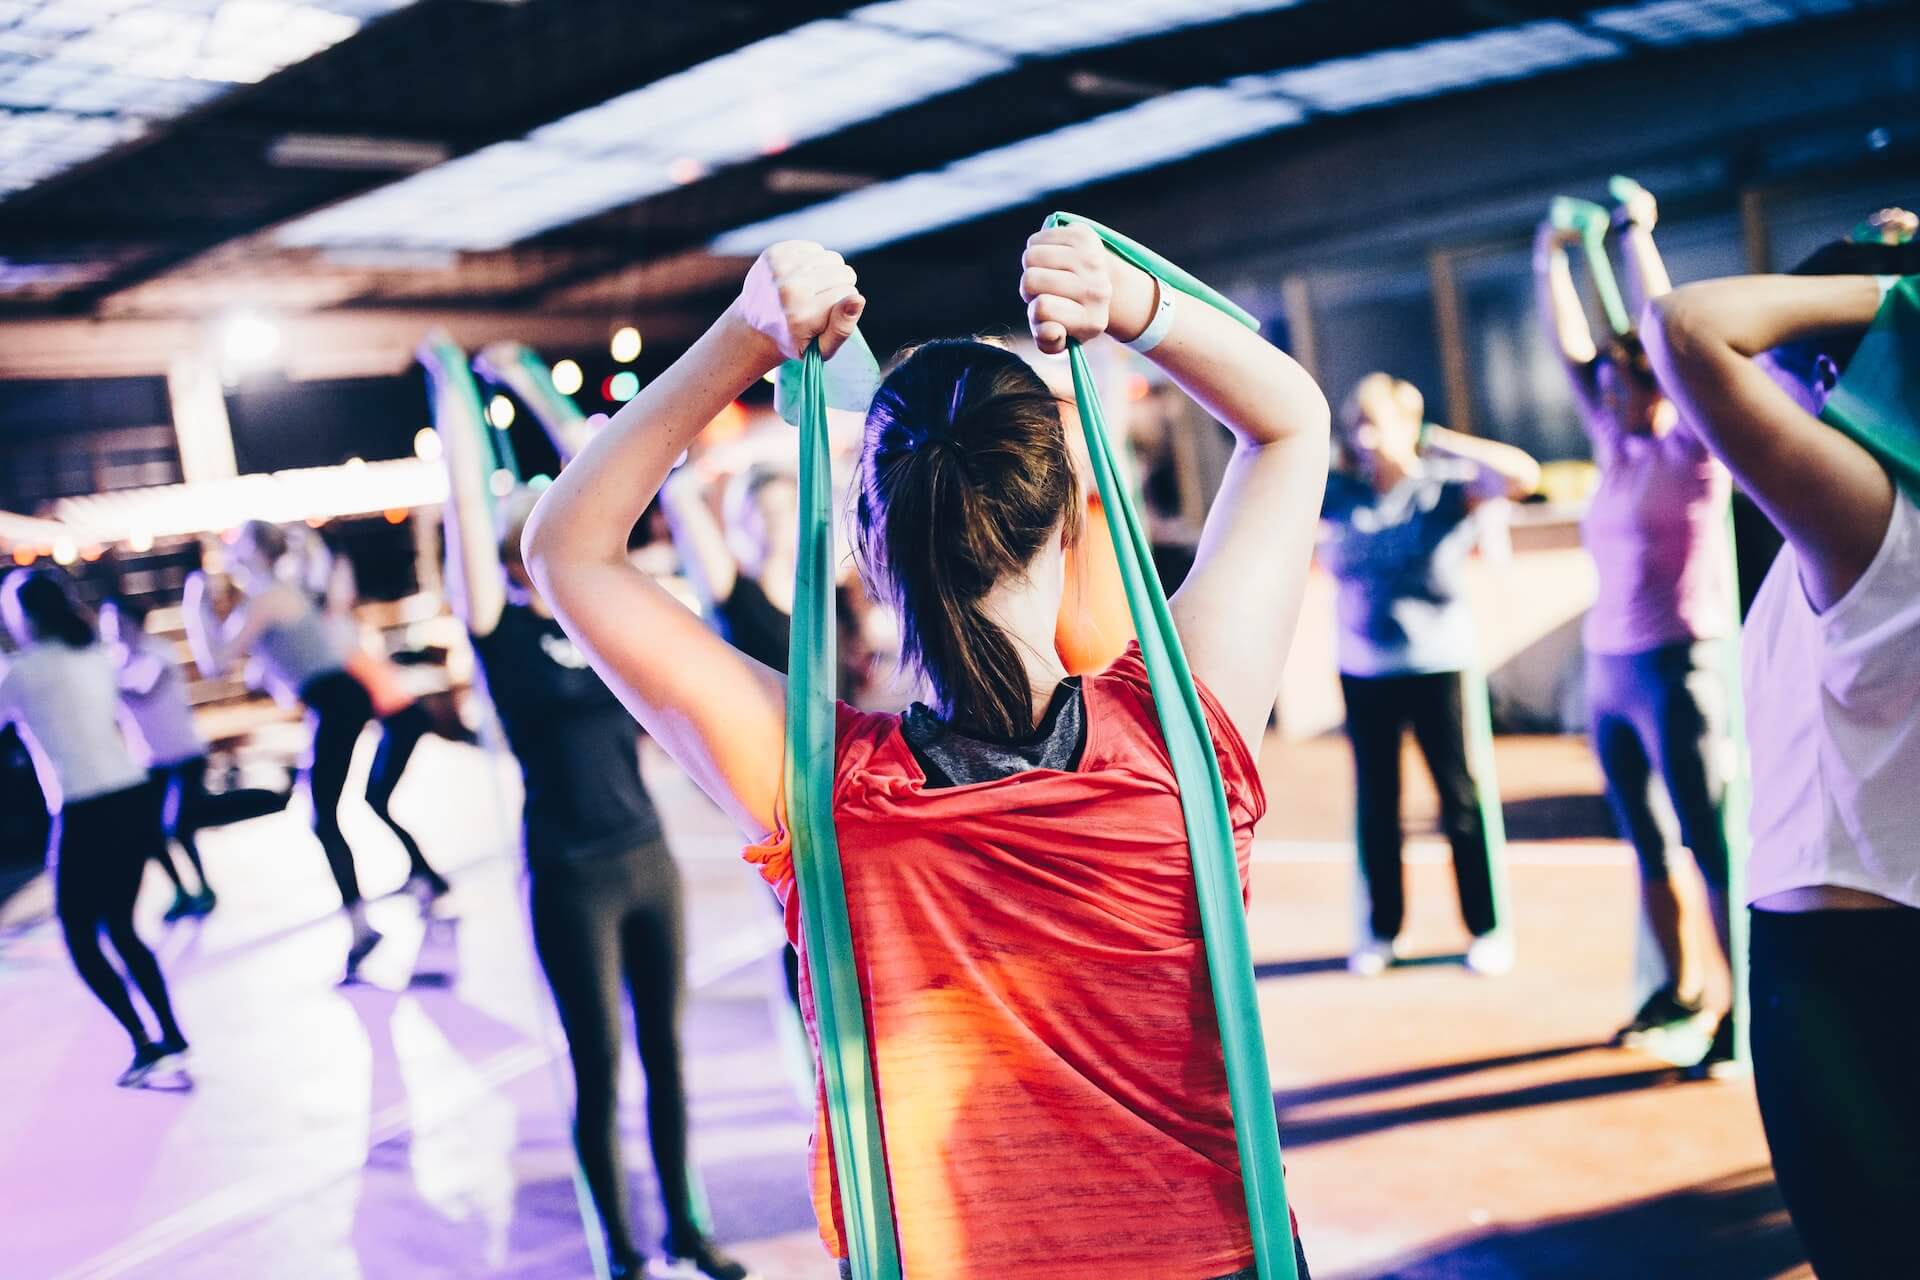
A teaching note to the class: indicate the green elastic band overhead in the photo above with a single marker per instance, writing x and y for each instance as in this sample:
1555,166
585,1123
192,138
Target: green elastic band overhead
845,1064
1877,401
1203,797
1591,221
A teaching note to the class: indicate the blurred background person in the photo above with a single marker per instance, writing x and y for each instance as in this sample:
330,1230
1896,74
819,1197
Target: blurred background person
1656,527
60,688
1399,527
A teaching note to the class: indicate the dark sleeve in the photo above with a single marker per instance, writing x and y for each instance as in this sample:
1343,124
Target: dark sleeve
1343,494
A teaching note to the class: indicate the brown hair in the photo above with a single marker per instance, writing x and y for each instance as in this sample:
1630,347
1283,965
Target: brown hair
964,477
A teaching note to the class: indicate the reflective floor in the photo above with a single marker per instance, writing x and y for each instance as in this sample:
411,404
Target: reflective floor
1437,1126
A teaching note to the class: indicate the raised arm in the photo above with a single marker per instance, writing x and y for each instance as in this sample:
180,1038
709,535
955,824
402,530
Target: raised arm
1514,469
1557,300
698,537
1237,610
476,588
717,712
1646,270
1829,496
206,629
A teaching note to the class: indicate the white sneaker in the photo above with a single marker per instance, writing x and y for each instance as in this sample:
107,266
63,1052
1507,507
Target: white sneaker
1374,957
1491,955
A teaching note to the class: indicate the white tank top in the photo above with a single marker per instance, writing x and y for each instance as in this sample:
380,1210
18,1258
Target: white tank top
66,702
1833,723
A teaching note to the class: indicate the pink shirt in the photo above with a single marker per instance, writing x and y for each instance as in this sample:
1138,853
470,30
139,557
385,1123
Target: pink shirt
1657,531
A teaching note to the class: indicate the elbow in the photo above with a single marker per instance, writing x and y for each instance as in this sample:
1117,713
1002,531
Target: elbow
1525,481
540,542
1676,328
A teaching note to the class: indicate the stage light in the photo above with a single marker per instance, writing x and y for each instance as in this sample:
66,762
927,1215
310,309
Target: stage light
567,377
1137,386
623,386
772,376
140,543
686,169
501,482
426,444
500,412
65,552
540,482
249,342
395,515
625,345
24,556
92,552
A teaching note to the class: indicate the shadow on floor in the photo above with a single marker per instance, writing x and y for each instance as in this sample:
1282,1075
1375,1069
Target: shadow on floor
1390,1080
1307,1132
1563,817
1732,1228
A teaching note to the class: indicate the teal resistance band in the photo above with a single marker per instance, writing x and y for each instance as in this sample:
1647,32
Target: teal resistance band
1877,401
1203,798
846,1071
1590,221
519,369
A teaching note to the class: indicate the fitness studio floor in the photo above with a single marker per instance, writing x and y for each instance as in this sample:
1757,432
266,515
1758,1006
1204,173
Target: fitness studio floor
1437,1126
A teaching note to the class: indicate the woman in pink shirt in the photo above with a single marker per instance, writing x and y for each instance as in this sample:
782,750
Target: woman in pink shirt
1656,697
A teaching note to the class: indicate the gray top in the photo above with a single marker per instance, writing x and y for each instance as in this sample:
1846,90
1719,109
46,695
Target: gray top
295,652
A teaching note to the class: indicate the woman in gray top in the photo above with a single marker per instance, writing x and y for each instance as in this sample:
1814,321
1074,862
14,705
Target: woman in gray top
278,624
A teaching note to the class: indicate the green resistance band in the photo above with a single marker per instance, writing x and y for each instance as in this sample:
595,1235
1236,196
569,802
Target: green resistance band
1877,401
846,1071
1203,798
451,389
1590,220
519,368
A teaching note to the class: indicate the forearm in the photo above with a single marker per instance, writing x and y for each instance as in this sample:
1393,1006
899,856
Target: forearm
1646,270
1557,299
203,627
1746,315
587,514
1515,466
1258,391
474,583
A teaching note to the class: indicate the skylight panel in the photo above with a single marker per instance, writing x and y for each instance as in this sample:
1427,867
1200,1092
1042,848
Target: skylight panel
1438,66
129,64
1668,22
1165,129
1037,30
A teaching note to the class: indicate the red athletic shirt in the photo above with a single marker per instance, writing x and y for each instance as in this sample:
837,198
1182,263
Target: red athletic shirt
1052,1091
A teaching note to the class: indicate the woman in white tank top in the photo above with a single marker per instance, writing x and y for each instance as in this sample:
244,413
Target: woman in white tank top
1832,682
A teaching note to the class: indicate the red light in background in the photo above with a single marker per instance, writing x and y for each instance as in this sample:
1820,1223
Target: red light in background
1138,386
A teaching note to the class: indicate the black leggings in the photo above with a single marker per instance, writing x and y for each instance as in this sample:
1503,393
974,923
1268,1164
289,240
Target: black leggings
600,925
1379,710
1658,719
1836,1064
187,808
338,708
100,846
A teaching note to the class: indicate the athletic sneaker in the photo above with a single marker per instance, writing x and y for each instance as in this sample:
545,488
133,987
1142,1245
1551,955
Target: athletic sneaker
696,1260
1720,1062
1664,1008
183,906
145,1058
1491,955
1374,957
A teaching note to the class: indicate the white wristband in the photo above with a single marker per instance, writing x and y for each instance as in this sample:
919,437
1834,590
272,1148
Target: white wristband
1162,321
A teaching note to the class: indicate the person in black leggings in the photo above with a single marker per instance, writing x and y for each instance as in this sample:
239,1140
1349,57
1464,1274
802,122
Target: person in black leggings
59,688
604,893
278,624
158,720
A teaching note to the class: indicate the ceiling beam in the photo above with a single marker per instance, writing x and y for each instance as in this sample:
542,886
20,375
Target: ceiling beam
328,344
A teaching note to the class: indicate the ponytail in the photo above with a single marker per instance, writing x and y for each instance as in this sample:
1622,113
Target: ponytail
965,477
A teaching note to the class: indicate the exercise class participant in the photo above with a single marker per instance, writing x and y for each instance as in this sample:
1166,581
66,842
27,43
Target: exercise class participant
59,688
1048,1066
277,623
604,893
1656,690
1398,512
1831,651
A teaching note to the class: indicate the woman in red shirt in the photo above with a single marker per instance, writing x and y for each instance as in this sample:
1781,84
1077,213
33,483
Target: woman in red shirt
1048,1065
